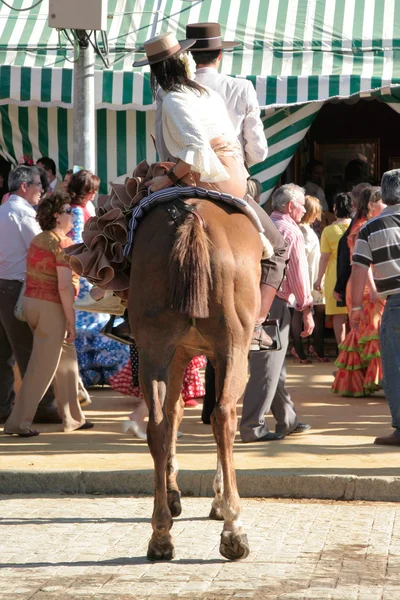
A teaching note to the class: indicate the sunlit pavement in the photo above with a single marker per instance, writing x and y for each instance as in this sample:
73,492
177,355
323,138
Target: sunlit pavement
341,438
71,548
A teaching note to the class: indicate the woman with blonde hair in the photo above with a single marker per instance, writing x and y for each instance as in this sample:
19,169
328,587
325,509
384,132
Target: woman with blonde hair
313,213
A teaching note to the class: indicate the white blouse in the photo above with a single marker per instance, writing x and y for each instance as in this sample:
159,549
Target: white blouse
313,254
189,122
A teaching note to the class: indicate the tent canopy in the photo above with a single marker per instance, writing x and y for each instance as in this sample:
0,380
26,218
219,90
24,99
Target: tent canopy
294,51
297,53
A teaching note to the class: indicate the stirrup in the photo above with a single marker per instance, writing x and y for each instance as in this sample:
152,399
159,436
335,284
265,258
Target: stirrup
109,331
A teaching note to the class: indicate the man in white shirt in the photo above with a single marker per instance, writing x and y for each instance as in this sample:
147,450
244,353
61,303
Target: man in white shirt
49,166
18,227
239,95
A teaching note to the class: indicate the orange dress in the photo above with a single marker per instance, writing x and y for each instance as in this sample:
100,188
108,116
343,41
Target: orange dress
359,366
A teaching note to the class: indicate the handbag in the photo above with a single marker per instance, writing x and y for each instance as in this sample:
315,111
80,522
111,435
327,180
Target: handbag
19,307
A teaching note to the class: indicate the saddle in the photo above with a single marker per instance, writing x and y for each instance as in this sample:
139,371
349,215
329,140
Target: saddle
103,256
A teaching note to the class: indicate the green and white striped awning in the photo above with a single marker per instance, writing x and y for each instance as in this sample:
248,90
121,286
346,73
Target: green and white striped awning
294,51
297,53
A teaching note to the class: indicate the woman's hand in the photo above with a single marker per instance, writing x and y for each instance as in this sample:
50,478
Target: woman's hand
357,318
337,296
159,183
317,285
71,333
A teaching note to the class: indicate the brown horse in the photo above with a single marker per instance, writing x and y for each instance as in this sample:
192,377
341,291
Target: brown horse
194,290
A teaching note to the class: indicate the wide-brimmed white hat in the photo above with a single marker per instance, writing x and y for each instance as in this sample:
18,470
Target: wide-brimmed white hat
161,47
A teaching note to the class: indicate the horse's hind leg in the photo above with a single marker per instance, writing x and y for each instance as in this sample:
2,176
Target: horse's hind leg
174,408
153,377
231,377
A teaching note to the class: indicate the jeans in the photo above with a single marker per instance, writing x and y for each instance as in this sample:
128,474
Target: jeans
390,353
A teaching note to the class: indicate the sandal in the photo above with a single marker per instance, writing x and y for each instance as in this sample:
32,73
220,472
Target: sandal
86,425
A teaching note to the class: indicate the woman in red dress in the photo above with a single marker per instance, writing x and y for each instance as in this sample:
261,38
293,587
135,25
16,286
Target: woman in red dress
359,363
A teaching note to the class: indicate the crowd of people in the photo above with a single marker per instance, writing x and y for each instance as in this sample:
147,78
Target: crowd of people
306,280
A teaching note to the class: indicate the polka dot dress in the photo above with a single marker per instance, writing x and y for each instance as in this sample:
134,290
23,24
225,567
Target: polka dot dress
126,381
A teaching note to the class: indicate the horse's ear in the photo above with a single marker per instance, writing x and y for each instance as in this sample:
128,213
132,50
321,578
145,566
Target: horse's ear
153,137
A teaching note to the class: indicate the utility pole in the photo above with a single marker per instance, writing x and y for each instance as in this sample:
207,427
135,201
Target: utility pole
84,106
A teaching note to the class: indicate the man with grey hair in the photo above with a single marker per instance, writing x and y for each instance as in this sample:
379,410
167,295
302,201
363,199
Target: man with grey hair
18,227
378,246
266,389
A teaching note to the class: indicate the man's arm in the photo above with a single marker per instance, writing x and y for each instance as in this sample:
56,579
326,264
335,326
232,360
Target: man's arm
254,141
273,268
362,260
297,275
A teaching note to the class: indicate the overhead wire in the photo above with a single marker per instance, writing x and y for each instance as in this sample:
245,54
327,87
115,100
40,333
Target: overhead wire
21,9
76,47
101,54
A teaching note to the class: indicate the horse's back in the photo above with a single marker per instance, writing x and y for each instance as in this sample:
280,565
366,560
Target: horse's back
234,249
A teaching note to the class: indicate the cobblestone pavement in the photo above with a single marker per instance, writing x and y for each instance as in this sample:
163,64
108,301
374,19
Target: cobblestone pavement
66,548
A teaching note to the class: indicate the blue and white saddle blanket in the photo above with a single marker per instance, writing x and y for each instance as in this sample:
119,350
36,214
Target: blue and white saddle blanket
183,193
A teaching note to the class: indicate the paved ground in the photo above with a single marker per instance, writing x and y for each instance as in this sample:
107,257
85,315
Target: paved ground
93,548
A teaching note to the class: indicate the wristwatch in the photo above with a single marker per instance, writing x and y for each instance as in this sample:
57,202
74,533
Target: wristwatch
308,309
171,175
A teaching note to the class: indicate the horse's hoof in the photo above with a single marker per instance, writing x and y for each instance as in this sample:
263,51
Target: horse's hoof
161,548
234,546
216,514
174,503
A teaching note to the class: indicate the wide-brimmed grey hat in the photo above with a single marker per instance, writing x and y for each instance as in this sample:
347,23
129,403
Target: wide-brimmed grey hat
161,47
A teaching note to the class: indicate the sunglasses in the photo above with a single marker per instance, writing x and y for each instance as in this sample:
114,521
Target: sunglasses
67,211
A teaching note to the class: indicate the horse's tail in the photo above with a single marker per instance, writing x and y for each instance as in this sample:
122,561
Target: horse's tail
190,270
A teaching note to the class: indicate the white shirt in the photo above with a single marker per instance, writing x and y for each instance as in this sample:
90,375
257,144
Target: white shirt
189,121
241,102
313,254
242,105
18,227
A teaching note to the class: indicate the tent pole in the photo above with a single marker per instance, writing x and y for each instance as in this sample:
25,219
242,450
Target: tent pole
84,106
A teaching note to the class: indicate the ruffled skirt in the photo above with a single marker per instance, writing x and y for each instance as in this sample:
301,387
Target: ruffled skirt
359,365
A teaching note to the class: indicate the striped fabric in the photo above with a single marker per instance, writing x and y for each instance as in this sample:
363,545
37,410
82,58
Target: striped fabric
297,53
284,131
378,244
294,51
123,138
